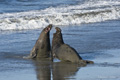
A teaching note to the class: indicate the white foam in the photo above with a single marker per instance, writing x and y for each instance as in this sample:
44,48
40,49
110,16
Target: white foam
89,12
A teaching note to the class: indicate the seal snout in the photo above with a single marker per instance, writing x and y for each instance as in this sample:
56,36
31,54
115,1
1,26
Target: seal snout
58,29
48,28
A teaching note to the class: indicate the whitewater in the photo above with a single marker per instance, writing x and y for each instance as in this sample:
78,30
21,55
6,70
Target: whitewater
90,11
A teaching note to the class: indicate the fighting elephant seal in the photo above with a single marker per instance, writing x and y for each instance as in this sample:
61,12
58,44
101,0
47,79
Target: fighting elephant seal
63,51
42,47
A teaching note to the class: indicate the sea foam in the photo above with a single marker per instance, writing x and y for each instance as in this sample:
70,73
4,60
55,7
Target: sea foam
89,12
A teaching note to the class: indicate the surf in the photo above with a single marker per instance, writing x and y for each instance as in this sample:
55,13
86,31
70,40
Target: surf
88,12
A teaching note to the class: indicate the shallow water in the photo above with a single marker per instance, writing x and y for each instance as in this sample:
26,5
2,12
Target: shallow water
98,42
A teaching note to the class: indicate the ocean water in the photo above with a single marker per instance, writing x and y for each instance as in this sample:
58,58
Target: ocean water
92,27
34,14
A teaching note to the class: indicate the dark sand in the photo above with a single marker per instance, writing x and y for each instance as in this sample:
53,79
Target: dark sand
99,42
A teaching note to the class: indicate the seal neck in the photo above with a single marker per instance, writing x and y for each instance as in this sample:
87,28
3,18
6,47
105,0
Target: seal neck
57,40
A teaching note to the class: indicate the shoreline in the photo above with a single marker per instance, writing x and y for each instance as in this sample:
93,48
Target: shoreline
98,42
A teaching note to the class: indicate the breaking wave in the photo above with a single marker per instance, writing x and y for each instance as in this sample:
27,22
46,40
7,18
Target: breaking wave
89,12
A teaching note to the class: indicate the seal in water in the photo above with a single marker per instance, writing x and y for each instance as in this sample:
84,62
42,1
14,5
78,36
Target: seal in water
63,51
42,47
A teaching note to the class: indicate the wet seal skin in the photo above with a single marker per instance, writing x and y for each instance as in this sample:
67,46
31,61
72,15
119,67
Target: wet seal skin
64,52
42,48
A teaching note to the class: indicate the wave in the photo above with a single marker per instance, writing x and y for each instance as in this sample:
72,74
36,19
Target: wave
89,12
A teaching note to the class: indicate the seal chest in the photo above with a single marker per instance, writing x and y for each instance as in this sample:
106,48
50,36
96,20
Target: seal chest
42,47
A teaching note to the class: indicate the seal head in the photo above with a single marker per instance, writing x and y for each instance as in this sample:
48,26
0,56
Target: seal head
48,28
42,46
57,38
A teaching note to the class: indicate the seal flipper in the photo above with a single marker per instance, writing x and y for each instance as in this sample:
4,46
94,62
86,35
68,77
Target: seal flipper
86,62
82,63
89,62
30,56
33,54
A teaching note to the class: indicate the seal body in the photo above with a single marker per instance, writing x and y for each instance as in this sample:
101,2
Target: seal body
67,53
42,47
63,51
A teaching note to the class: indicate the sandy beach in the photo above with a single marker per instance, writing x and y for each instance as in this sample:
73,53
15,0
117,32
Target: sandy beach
99,42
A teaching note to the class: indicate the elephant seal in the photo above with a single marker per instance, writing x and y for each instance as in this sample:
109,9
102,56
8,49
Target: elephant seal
42,47
63,51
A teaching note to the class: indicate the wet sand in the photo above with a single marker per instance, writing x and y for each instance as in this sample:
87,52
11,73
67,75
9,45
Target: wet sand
99,42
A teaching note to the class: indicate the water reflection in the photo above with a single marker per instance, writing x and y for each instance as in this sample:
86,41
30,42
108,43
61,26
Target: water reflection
63,71
43,69
47,70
